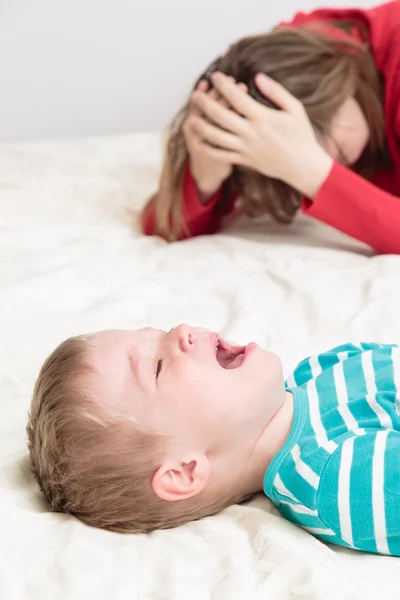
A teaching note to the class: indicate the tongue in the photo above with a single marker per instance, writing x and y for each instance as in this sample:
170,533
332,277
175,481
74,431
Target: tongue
236,362
229,359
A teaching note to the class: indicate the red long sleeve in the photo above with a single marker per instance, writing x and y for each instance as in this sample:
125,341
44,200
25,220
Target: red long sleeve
199,218
358,208
369,212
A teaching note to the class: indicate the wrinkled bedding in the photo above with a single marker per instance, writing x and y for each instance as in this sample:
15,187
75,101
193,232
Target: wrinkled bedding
71,260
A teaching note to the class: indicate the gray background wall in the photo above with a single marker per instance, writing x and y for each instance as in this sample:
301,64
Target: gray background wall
95,67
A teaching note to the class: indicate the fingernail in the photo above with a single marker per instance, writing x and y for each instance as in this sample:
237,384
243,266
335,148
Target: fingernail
264,78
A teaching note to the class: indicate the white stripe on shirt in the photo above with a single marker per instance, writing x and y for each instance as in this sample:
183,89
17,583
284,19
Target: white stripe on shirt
315,367
299,508
342,395
303,469
291,381
396,377
344,492
282,489
318,530
378,492
315,414
369,374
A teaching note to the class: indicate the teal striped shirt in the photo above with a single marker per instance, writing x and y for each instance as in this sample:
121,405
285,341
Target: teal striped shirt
338,474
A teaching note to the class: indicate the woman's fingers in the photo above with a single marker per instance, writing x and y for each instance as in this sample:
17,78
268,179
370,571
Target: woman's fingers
218,114
217,96
226,157
214,135
278,94
240,101
203,86
196,126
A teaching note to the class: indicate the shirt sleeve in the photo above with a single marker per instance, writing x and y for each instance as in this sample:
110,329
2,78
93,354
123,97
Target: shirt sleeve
312,366
198,218
359,491
358,208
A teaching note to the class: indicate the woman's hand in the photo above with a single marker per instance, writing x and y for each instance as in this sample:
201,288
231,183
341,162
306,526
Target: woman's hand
277,143
208,172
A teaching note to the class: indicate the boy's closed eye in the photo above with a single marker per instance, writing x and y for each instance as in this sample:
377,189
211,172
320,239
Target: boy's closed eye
159,367
160,361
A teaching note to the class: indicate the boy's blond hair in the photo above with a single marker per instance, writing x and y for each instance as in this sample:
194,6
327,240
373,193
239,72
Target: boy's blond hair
95,464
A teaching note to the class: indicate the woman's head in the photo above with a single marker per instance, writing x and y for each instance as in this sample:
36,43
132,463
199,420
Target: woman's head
337,82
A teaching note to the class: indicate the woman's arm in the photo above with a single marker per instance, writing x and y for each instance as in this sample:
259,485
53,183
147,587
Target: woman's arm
358,208
199,214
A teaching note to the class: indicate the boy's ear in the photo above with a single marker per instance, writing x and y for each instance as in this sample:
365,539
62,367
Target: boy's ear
176,480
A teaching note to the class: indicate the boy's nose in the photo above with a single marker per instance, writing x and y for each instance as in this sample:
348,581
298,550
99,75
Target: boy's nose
186,337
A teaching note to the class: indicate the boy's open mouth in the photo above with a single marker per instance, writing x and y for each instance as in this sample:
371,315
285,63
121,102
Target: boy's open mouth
228,355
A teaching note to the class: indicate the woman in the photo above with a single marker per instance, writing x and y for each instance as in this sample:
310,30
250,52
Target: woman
331,149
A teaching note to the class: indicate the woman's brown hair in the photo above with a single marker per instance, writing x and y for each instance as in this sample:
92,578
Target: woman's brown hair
318,70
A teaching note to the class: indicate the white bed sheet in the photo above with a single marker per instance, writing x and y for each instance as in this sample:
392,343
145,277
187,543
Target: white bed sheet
70,262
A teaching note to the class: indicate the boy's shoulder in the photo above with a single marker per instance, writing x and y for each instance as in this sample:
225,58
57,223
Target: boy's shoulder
315,365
